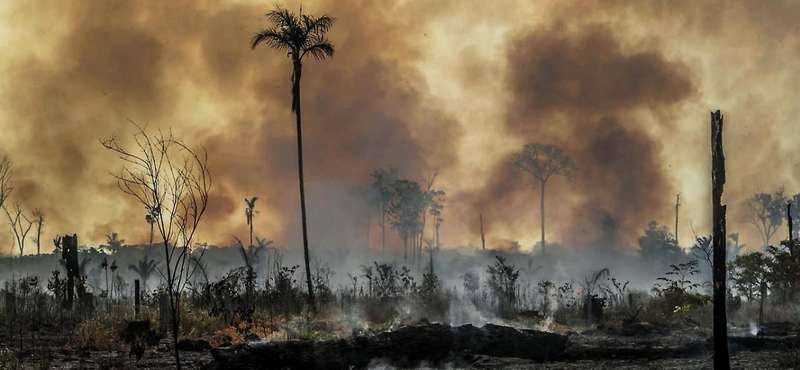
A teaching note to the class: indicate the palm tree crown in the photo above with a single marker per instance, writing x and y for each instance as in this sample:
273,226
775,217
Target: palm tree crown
298,36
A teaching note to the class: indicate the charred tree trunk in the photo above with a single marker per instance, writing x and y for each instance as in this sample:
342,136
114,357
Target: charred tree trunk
721,356
677,206
136,304
383,229
70,256
483,236
406,347
542,215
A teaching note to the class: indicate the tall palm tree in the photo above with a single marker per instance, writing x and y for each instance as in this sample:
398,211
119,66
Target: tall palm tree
248,212
298,36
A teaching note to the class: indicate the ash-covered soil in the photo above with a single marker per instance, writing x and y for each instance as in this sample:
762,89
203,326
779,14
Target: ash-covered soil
660,348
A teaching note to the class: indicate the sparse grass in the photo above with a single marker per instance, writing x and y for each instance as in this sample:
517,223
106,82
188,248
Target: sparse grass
93,335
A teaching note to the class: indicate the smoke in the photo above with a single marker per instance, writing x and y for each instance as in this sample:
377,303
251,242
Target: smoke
188,67
578,89
623,88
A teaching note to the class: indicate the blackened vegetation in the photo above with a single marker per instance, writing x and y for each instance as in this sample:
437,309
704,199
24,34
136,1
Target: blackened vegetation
407,346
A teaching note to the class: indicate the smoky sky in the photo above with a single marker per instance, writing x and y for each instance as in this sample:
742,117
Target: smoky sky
579,90
624,89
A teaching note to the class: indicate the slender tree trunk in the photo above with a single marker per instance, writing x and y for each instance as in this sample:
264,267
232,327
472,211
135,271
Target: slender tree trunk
437,236
151,234
296,105
251,229
542,216
483,236
39,237
383,228
677,205
721,356
405,247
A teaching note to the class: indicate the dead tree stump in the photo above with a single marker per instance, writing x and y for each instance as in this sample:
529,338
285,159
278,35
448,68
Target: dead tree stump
136,299
721,356
11,315
69,253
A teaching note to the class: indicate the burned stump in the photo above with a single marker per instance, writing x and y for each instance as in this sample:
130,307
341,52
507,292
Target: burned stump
405,347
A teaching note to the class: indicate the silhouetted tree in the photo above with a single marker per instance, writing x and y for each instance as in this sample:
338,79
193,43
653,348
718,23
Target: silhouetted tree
383,182
298,36
113,241
144,268
165,175
38,215
427,200
248,213
795,199
658,246
766,212
437,198
20,225
734,248
543,161
405,210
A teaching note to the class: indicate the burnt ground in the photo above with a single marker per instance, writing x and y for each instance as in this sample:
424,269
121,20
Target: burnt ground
662,349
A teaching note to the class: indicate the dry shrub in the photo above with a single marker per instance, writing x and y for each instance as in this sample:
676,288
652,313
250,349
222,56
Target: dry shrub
93,335
198,324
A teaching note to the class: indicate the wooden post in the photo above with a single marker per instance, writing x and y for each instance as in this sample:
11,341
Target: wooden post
721,356
11,315
163,316
136,299
483,236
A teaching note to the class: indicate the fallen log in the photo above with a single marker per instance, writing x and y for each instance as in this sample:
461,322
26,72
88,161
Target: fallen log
407,346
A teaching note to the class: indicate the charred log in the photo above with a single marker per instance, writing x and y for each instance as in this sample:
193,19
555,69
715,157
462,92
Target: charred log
406,347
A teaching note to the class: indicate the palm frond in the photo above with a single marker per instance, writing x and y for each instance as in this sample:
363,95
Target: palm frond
274,38
320,50
317,26
282,17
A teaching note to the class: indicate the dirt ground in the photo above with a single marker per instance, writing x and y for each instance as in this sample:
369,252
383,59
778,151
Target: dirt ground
590,350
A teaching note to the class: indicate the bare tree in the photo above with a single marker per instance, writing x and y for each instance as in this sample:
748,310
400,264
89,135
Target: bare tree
20,224
543,161
6,172
38,215
173,181
765,212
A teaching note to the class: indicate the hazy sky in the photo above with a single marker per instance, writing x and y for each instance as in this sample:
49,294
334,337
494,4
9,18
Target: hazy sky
624,87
